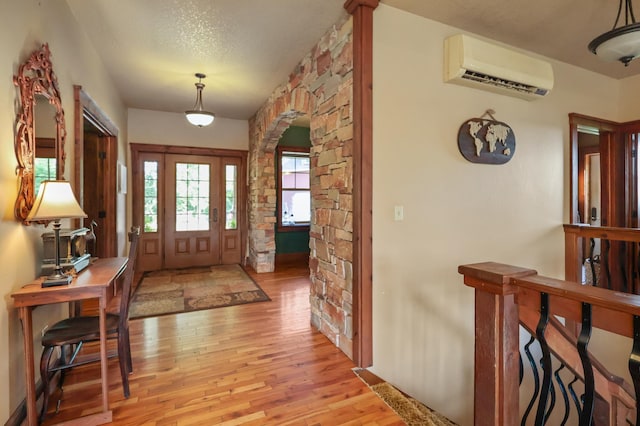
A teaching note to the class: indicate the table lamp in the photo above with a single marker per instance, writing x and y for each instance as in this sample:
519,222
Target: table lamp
55,201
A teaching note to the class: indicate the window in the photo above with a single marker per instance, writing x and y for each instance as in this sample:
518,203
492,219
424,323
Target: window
150,196
192,197
231,197
44,163
294,201
44,169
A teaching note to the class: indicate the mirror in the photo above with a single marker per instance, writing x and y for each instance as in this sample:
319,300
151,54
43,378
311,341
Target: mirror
40,128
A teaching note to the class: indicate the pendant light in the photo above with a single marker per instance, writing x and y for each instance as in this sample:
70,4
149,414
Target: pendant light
198,116
622,43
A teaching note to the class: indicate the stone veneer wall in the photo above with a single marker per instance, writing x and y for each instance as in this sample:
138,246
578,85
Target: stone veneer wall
321,86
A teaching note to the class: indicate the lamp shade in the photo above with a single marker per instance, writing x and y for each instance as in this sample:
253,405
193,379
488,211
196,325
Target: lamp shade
199,118
55,201
621,44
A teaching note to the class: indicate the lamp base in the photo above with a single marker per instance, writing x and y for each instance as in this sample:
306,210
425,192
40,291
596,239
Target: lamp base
56,280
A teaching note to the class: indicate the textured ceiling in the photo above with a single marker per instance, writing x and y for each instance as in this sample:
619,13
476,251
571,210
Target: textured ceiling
152,48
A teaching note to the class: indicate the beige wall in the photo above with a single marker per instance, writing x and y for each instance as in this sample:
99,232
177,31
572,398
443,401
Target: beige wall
457,212
167,128
24,26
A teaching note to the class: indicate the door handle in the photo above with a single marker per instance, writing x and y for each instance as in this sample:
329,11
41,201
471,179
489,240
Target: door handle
215,215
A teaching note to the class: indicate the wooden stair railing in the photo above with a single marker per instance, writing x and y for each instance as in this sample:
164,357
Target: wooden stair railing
620,255
505,296
616,393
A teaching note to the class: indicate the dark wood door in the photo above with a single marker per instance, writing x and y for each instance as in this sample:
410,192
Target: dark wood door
94,197
193,211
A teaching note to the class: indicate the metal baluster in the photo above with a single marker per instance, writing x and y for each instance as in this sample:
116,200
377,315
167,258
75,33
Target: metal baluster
636,268
536,380
604,263
586,416
634,362
594,278
546,359
552,403
622,266
575,398
521,365
565,397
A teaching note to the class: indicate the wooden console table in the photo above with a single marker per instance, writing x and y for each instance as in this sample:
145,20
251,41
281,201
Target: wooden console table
95,282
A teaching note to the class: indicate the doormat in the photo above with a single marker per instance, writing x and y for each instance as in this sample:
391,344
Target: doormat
185,290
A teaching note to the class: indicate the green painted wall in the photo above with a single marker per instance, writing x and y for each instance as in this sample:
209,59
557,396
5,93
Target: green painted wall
294,241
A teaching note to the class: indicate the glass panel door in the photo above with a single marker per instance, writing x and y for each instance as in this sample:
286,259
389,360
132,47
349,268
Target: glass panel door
192,225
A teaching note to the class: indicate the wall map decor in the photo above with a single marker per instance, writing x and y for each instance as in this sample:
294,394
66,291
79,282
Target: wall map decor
486,140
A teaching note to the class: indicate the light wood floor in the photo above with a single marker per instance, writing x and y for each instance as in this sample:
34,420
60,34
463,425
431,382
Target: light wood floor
256,364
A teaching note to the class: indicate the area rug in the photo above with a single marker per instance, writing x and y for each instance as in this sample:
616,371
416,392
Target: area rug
412,411
185,290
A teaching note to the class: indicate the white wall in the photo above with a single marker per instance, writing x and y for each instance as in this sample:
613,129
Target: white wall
167,128
24,26
457,212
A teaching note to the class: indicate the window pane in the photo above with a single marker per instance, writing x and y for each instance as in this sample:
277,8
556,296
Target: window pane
192,197
150,196
296,207
302,180
231,214
44,169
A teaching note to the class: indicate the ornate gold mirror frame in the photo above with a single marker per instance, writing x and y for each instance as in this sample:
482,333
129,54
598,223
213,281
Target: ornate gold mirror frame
37,82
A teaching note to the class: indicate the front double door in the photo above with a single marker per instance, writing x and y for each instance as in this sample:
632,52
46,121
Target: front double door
190,210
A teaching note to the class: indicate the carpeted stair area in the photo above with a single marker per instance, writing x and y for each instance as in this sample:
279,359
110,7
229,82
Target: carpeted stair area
412,411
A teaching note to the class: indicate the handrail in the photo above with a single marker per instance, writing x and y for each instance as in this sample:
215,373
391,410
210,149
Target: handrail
501,291
623,265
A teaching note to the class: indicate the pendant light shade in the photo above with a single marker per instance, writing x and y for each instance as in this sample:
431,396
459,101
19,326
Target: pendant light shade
621,43
198,116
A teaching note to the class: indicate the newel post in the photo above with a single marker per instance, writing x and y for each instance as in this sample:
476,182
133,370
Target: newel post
496,341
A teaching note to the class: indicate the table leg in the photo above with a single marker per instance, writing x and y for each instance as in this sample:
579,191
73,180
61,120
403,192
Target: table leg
103,352
27,332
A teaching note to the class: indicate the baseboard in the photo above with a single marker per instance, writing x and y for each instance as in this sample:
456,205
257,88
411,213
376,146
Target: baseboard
19,415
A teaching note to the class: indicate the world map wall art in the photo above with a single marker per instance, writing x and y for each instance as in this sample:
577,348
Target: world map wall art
485,141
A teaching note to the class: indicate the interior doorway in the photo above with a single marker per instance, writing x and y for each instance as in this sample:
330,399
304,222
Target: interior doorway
96,153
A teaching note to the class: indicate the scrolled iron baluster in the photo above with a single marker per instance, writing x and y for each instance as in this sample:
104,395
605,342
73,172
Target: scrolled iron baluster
636,270
546,359
634,362
521,365
565,397
622,266
552,402
594,278
574,396
604,263
536,380
586,416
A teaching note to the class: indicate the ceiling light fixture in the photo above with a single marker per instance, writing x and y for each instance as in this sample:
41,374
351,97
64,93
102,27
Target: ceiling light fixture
198,116
622,43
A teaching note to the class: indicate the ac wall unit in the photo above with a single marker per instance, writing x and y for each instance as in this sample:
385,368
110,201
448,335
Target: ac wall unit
469,61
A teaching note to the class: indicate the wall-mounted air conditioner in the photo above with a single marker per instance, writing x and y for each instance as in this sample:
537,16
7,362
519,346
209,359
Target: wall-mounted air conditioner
472,62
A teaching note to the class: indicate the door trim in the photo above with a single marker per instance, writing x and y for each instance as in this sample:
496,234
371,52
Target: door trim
85,108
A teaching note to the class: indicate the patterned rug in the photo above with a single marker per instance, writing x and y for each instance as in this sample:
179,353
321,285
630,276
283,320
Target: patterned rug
185,290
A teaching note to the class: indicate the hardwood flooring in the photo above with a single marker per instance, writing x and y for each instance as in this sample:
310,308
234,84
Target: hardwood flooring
256,364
